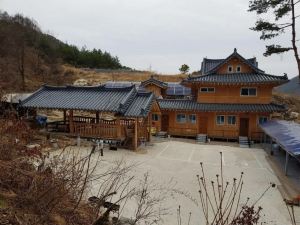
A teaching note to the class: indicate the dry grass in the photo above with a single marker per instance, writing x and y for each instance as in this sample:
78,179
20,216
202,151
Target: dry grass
292,103
34,192
94,78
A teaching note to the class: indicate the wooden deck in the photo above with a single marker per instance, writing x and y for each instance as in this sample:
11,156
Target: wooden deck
125,131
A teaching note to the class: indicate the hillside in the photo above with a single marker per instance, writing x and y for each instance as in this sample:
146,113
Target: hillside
292,87
292,102
95,77
29,56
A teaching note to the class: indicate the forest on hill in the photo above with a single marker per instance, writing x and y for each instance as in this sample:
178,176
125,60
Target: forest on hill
29,56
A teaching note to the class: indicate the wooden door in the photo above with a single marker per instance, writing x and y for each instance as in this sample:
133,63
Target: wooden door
203,125
244,127
165,123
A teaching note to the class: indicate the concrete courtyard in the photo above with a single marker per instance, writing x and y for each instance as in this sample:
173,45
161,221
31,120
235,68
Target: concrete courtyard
179,161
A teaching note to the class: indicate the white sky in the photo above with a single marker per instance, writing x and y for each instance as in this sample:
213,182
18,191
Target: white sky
162,34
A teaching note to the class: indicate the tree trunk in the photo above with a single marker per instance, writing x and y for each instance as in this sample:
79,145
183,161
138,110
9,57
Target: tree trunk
21,65
294,37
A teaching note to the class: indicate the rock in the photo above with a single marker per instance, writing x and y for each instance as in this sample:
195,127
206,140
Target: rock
81,82
294,115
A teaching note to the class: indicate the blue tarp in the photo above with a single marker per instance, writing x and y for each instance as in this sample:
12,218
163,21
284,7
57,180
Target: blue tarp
284,133
42,120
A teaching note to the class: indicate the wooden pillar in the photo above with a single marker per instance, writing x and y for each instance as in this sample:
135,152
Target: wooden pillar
135,135
149,128
71,122
65,116
97,117
118,124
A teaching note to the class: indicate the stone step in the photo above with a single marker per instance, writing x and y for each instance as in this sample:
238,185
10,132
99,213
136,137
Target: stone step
202,138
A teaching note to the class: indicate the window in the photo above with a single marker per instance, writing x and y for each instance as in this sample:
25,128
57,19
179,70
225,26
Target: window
262,119
231,120
207,89
155,117
230,69
181,118
238,69
220,120
192,118
248,91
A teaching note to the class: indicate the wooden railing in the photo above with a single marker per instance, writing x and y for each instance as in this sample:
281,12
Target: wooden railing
102,130
58,126
106,129
84,119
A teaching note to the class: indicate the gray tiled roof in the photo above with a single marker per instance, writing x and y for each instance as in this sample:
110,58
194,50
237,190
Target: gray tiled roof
188,105
141,105
238,78
96,98
210,66
173,88
152,80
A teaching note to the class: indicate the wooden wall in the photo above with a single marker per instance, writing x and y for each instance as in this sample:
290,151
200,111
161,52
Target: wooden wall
182,129
157,91
234,63
231,94
211,127
155,125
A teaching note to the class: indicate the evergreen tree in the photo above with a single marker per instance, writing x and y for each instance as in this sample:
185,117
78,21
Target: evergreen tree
184,69
280,10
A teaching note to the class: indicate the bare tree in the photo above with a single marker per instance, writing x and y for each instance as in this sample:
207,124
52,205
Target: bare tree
221,201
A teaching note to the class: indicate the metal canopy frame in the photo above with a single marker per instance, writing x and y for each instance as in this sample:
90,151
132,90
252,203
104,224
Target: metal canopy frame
287,135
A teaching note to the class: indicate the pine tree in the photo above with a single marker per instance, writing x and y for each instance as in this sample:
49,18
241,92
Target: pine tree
280,10
184,69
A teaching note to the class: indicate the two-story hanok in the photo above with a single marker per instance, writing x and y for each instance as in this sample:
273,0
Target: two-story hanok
120,115
230,98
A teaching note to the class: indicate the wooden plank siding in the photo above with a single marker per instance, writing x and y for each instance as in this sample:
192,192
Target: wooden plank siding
157,91
234,63
232,94
212,129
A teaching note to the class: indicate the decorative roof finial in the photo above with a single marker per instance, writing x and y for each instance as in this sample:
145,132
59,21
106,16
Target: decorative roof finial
234,50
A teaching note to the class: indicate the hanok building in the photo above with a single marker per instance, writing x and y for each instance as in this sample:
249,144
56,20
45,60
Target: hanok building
119,114
229,99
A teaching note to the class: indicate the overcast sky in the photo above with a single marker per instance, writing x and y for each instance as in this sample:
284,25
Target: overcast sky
161,34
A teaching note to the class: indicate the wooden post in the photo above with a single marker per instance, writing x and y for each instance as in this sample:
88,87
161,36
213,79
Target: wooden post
65,116
97,117
149,128
71,122
135,135
118,124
